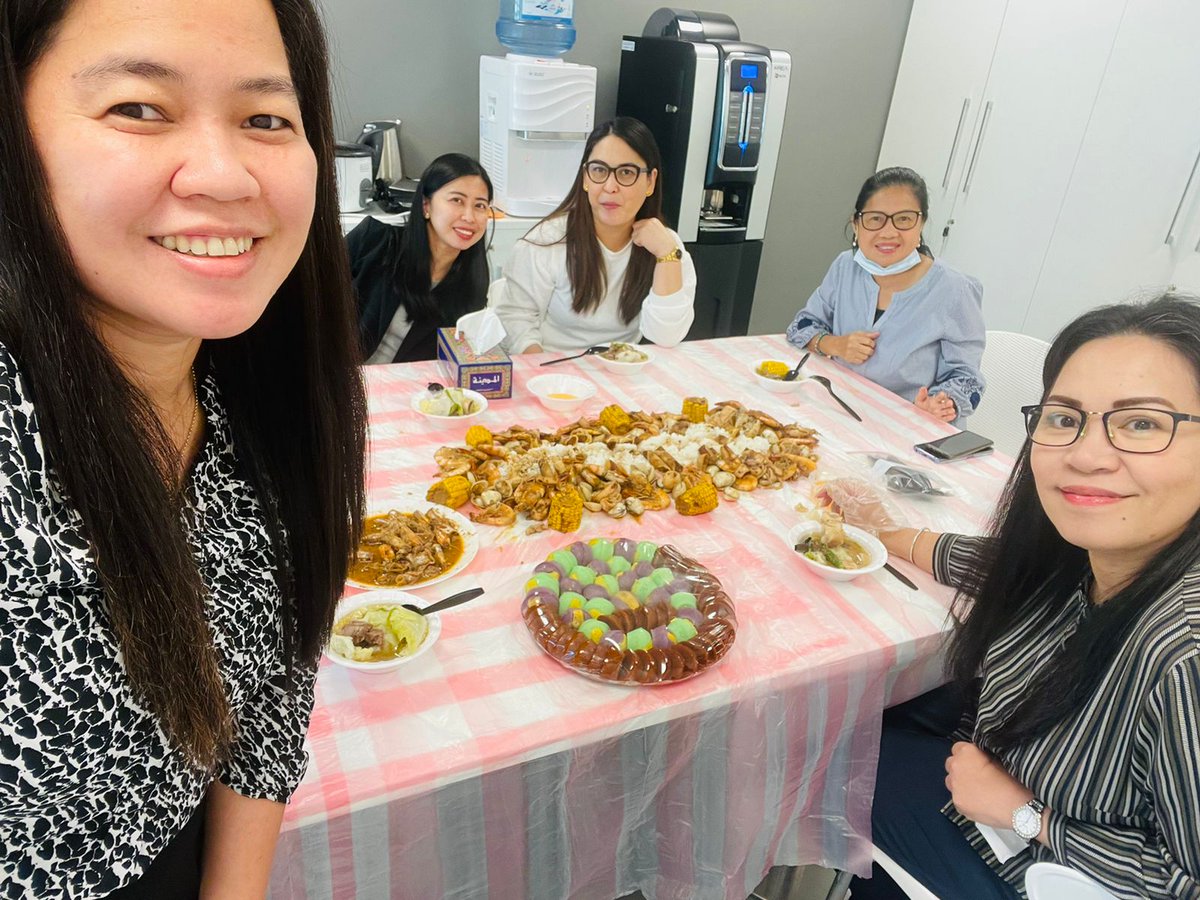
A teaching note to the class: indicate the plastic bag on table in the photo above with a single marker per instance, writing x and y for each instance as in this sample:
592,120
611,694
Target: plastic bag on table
901,477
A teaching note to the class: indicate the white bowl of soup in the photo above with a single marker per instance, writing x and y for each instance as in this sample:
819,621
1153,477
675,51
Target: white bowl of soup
373,632
624,359
561,393
855,553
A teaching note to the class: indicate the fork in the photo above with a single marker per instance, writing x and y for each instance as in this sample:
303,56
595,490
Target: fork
599,348
825,382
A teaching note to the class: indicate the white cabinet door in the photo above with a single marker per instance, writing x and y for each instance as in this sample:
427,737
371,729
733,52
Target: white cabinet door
1044,78
937,97
1124,224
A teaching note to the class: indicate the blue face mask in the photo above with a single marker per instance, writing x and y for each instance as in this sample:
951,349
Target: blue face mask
895,268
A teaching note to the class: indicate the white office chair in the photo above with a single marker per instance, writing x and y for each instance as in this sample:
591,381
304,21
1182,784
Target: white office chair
911,887
1050,881
1012,368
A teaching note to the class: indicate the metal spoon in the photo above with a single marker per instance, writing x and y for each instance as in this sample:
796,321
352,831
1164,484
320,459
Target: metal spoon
452,600
588,352
822,380
794,373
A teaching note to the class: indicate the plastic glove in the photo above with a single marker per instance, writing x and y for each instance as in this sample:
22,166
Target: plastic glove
860,504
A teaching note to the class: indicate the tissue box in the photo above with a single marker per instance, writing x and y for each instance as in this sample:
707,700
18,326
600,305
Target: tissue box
488,373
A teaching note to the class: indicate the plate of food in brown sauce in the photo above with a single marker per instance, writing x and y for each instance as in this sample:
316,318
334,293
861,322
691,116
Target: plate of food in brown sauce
412,544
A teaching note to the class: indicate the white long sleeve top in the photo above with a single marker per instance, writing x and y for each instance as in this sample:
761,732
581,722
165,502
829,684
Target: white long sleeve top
535,305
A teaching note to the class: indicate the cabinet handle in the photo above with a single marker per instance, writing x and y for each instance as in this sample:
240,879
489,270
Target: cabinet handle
987,114
1170,238
962,117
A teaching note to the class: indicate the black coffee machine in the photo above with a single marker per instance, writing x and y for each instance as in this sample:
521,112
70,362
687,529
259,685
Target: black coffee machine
715,104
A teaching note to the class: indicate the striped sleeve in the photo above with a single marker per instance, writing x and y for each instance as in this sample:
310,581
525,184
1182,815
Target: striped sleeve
956,555
1132,862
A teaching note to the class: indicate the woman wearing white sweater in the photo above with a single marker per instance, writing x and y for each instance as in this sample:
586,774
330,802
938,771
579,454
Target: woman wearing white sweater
602,267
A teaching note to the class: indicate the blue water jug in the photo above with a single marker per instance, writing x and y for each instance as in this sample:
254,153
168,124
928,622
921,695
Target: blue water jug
542,28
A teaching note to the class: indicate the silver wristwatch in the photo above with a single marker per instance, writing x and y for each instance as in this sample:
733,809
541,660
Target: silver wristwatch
1027,819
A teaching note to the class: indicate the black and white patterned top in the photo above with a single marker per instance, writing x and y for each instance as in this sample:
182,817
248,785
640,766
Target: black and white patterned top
1121,776
90,789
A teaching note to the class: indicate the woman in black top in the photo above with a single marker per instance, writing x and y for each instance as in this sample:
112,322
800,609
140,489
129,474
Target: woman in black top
181,438
413,280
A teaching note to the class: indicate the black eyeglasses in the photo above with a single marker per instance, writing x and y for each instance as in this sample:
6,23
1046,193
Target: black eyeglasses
627,174
1134,429
905,220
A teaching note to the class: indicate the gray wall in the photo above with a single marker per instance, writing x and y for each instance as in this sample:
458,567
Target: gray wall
419,62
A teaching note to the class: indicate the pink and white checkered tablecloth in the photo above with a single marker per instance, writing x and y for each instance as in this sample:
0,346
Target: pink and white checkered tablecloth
486,769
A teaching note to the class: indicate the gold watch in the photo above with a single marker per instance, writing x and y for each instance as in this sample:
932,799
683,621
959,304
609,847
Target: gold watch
674,256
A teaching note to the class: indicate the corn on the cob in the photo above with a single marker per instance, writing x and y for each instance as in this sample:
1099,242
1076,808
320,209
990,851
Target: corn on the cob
452,491
477,435
772,368
698,499
566,509
695,408
615,419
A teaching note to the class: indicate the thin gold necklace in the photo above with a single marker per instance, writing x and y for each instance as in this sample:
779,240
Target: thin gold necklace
187,441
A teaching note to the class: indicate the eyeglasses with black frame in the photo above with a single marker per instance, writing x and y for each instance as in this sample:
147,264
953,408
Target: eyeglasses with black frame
905,220
627,174
1133,429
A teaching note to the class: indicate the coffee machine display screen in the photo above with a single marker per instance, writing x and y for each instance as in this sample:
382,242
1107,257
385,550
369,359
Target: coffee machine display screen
745,100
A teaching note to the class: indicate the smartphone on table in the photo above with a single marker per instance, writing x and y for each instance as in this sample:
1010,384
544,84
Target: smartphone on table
963,445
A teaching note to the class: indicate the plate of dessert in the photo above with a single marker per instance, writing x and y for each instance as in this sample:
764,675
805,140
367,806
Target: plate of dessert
628,612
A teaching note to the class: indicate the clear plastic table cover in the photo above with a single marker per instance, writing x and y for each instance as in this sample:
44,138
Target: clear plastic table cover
486,769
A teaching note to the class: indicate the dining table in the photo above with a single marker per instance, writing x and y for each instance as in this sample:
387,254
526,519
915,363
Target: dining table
488,769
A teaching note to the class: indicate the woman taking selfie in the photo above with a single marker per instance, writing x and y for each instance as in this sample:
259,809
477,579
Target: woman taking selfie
413,280
602,267
1078,647
181,438
893,313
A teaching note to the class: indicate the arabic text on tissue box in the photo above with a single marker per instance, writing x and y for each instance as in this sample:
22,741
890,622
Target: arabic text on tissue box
489,373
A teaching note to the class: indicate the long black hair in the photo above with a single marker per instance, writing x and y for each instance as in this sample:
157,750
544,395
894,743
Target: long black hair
895,176
290,384
469,272
1029,566
585,263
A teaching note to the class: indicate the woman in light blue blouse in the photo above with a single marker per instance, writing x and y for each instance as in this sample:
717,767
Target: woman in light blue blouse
887,309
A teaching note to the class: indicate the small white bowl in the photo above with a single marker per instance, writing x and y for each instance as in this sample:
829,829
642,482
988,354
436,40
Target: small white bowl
776,385
415,403
869,542
574,391
385,598
626,368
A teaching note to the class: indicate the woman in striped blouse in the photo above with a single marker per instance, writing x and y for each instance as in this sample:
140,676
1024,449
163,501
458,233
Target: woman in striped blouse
1080,659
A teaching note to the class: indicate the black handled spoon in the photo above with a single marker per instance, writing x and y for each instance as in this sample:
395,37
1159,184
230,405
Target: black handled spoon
452,600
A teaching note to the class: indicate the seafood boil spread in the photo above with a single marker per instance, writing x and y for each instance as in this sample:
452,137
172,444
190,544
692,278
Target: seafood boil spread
622,463
399,549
